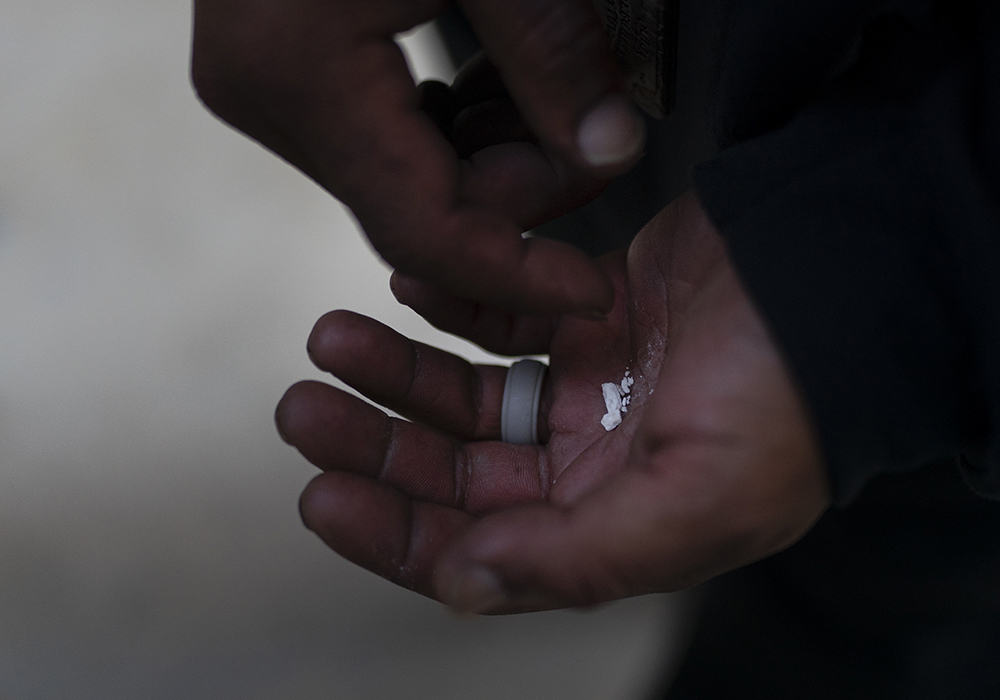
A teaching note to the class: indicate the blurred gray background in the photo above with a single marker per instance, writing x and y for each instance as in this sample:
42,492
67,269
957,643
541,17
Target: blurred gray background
159,275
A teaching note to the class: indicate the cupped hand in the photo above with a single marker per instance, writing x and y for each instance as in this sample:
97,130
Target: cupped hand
323,84
715,464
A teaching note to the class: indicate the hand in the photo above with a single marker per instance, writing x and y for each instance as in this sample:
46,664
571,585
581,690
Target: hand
322,84
716,464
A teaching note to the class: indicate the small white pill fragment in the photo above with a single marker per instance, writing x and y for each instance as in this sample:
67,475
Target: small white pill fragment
627,383
613,402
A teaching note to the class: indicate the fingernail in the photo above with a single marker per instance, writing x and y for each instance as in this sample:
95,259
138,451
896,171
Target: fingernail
475,591
612,133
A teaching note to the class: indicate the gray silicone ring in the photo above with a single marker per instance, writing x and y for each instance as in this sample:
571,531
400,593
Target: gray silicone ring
522,393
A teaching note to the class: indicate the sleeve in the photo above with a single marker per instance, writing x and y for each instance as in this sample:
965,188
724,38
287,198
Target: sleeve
865,226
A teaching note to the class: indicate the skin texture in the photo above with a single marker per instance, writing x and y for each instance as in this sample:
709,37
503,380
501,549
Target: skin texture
716,464
323,85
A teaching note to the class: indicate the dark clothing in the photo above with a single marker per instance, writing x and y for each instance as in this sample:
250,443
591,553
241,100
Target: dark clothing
858,189
859,196
894,597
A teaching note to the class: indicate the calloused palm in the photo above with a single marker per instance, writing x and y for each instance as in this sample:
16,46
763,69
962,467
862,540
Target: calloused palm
714,466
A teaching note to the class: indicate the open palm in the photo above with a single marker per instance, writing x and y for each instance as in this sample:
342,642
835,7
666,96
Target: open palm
714,466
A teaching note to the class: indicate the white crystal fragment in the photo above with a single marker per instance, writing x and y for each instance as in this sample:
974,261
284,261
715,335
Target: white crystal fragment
613,402
627,383
617,400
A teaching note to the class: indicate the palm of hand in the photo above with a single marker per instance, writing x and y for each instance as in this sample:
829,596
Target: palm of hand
583,355
714,465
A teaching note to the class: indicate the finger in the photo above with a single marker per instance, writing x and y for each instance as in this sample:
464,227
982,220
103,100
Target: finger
632,537
681,518
415,380
555,59
527,184
339,432
486,113
487,124
504,169
379,528
418,381
493,329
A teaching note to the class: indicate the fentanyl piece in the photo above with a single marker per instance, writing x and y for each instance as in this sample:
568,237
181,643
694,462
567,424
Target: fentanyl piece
617,398
613,401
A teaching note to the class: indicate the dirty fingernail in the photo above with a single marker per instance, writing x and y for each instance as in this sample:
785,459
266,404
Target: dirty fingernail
612,133
475,591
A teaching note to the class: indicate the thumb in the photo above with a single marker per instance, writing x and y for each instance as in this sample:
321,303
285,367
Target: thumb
555,59
677,521
616,543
